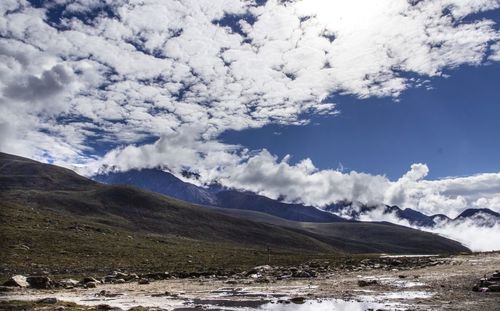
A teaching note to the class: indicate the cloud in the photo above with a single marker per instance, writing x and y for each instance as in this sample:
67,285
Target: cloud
33,88
138,70
120,74
481,233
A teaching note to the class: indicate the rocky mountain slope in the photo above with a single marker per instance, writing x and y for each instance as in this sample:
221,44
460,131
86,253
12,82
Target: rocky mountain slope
51,217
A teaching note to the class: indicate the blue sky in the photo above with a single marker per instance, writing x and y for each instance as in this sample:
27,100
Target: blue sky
454,128
101,85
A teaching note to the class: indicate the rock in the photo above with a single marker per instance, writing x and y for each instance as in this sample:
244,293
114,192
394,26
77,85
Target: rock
119,281
90,285
40,282
259,270
89,279
132,276
143,281
263,280
161,294
301,274
68,283
105,308
108,279
298,300
105,293
120,275
17,281
49,300
491,284
363,283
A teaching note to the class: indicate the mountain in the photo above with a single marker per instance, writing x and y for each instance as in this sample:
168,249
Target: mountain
483,217
471,212
357,210
52,218
159,181
437,218
296,212
162,182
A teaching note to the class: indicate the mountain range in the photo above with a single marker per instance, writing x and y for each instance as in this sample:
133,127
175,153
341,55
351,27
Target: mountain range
50,214
167,184
163,182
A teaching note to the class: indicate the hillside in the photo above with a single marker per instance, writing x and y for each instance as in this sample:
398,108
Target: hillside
120,226
165,183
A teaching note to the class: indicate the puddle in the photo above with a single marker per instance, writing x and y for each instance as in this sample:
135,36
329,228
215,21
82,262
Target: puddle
406,256
325,305
273,298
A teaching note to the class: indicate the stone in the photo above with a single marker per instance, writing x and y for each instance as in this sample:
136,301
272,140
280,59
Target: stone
157,275
494,288
143,281
90,285
68,283
301,274
298,300
40,282
105,293
48,300
17,281
363,283
104,307
89,279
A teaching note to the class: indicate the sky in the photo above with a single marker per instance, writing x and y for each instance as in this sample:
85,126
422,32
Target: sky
453,128
389,101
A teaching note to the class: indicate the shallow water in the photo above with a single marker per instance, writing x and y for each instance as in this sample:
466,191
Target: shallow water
243,298
406,256
324,305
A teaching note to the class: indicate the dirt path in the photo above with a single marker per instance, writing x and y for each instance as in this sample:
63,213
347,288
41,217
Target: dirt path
445,286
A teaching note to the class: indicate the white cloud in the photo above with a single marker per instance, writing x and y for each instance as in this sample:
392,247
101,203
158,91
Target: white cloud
144,68
175,70
481,233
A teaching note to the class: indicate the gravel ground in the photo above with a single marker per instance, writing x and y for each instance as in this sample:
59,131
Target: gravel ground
445,286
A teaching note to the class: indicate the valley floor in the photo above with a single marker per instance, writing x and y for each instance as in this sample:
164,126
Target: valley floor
443,283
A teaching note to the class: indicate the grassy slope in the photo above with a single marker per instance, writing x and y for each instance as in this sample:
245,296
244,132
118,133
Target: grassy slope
51,218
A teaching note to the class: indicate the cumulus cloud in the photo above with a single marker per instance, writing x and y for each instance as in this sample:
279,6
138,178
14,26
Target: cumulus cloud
479,233
121,73
143,68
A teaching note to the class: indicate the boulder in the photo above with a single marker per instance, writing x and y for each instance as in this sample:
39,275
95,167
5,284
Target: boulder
40,282
363,283
143,281
90,285
17,281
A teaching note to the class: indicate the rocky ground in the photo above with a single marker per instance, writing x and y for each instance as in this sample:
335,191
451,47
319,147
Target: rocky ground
386,283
